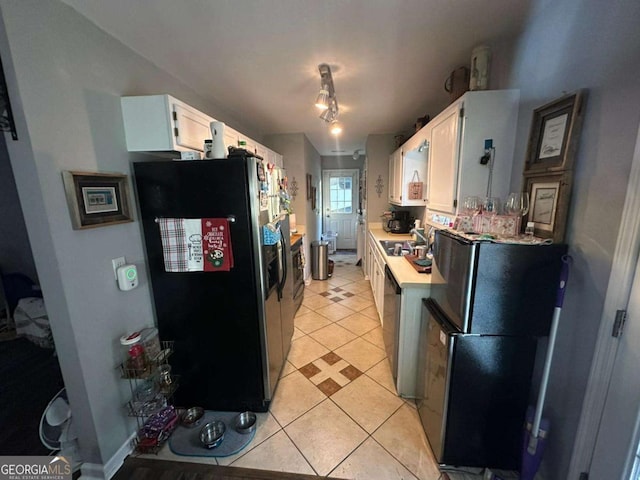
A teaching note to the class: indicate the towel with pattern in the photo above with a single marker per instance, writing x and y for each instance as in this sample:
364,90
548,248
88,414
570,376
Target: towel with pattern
196,244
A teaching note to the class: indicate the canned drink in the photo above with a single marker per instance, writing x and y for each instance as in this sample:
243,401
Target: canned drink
397,249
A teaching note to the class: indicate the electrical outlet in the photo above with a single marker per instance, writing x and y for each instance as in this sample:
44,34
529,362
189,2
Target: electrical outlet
117,262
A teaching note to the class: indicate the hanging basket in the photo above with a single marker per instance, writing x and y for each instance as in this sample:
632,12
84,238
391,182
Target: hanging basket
415,187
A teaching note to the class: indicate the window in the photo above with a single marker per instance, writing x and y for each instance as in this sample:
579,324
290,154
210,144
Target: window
341,195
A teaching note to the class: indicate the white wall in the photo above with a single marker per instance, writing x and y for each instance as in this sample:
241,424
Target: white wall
313,166
66,77
300,158
378,148
342,162
567,45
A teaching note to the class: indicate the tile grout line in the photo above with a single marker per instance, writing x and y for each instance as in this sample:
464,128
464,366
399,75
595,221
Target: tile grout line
296,445
358,336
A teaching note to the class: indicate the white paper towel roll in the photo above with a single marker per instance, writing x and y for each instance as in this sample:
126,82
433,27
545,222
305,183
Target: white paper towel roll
217,135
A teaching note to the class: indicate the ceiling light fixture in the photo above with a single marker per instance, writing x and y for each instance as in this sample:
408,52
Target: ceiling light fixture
322,102
336,127
331,113
356,154
327,100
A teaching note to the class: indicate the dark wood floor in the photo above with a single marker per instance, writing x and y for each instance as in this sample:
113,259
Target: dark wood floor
152,469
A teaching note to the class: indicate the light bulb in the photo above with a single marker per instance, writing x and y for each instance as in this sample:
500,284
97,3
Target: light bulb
336,128
322,102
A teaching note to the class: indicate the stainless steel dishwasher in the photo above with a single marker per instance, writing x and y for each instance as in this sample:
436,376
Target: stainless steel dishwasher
391,320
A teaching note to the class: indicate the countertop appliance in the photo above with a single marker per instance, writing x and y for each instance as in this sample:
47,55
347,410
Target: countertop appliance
231,330
400,222
391,320
489,305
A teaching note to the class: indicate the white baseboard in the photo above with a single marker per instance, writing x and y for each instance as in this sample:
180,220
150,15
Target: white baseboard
98,471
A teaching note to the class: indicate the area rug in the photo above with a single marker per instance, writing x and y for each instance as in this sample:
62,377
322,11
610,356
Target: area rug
186,441
152,469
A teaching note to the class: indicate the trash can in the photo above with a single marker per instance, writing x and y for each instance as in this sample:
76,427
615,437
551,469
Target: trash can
332,239
319,260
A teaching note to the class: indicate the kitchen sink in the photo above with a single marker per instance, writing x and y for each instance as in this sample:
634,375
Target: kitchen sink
389,245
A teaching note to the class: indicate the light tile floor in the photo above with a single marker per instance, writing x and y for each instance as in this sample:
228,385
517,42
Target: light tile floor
335,412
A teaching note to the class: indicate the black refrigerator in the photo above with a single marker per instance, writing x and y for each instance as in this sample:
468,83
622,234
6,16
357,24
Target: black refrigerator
231,330
489,305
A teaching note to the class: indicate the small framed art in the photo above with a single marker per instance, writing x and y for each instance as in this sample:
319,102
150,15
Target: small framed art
549,195
96,199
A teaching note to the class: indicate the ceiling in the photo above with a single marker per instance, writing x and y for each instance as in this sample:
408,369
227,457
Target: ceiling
259,58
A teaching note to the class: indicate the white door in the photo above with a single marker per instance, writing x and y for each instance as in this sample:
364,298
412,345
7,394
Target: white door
616,450
340,205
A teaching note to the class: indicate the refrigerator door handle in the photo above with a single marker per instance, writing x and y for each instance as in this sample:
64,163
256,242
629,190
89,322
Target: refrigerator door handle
283,264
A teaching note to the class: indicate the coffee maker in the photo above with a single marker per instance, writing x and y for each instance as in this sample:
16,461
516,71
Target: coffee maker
400,222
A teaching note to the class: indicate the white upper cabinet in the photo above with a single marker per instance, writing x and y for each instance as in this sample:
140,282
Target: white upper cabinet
163,123
443,168
263,152
458,136
407,166
395,165
191,127
250,145
230,138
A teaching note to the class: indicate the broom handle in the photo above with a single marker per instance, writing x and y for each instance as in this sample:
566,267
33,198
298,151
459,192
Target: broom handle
564,276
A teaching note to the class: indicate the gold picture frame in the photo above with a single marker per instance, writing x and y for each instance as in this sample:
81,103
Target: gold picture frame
555,133
97,199
309,185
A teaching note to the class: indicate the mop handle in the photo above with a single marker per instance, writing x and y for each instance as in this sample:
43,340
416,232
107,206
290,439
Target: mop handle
564,276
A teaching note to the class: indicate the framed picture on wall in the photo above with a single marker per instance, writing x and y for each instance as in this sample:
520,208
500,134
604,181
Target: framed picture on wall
555,133
96,199
309,185
549,195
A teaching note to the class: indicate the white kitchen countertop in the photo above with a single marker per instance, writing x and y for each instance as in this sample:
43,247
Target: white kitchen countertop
404,273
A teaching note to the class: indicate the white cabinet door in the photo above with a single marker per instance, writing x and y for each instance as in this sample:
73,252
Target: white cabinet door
391,183
263,152
155,123
395,177
414,168
407,165
443,159
250,145
191,127
367,264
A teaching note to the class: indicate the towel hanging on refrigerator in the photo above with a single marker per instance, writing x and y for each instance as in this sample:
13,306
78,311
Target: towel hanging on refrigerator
216,245
196,244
